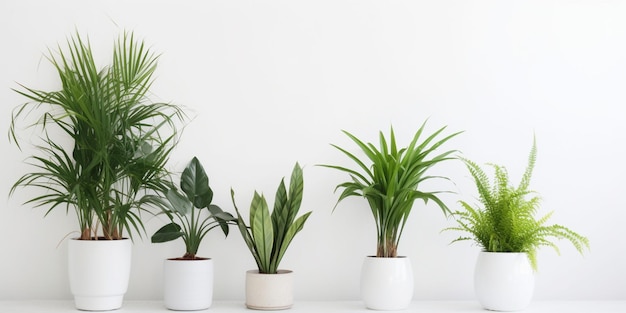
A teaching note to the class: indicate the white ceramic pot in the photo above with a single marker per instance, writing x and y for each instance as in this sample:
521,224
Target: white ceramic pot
188,284
504,281
387,283
99,271
269,291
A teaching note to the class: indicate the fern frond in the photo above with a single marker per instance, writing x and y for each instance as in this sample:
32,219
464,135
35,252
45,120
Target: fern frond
505,219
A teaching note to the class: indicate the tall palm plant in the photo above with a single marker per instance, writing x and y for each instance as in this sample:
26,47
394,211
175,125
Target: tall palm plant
103,145
390,180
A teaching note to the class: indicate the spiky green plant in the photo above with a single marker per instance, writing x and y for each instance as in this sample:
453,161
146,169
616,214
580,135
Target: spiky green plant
390,181
269,235
103,145
505,221
191,212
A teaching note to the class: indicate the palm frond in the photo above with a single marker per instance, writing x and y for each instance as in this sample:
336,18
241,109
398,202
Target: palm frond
389,179
106,120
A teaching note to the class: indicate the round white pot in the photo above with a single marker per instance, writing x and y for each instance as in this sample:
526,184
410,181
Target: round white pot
269,291
188,284
504,281
99,271
387,283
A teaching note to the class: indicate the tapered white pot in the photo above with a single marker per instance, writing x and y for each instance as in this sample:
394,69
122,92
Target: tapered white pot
387,283
269,291
99,271
188,284
504,281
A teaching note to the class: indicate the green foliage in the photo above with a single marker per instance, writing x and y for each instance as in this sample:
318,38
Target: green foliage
506,221
103,145
186,207
391,181
269,235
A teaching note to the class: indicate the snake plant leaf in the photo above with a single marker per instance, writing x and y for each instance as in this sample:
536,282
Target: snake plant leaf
269,235
254,206
294,228
280,214
286,206
262,230
245,232
296,189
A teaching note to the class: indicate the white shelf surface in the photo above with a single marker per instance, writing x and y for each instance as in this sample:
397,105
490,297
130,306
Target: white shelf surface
62,306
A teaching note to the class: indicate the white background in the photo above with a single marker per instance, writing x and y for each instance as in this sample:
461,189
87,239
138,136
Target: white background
270,83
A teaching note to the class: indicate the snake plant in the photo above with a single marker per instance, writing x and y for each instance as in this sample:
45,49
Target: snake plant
270,234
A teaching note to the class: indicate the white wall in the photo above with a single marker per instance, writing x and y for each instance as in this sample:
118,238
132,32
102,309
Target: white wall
273,82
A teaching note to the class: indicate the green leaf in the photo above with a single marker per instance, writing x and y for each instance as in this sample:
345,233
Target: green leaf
166,233
296,189
221,217
269,235
504,220
280,214
245,232
195,183
262,231
179,203
294,228
389,179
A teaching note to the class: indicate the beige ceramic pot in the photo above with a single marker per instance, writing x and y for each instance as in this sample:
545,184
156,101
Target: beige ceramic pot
269,291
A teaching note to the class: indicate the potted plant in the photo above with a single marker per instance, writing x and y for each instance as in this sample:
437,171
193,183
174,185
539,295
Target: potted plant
389,179
188,280
101,151
267,238
505,227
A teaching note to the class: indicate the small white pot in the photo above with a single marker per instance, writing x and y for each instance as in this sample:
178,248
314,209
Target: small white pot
269,291
188,284
387,283
504,281
99,271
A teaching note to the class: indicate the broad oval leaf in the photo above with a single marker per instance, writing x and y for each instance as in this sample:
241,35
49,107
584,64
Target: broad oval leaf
180,203
167,233
195,183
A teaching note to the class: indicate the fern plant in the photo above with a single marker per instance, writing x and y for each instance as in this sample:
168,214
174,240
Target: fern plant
505,221
269,235
103,145
390,179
